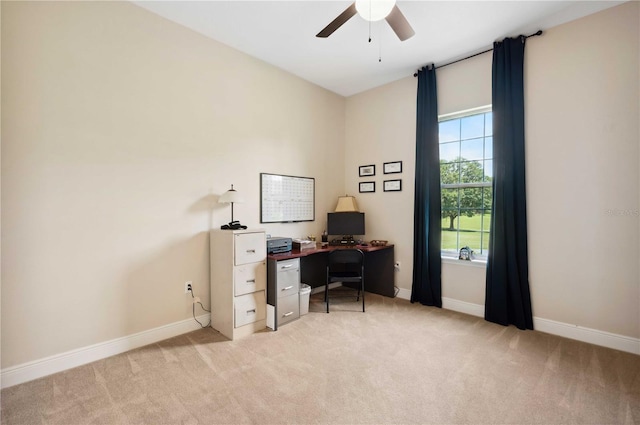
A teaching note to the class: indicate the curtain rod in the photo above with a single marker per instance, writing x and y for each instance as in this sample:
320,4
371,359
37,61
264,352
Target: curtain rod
539,32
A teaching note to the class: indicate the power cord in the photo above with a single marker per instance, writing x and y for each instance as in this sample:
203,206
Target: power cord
196,300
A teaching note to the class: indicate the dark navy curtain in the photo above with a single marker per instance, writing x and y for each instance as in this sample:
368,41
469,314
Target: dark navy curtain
508,300
427,288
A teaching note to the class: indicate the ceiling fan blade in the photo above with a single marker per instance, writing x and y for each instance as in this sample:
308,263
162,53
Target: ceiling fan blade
399,24
337,23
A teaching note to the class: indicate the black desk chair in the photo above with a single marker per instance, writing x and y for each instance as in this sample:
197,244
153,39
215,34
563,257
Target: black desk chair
346,266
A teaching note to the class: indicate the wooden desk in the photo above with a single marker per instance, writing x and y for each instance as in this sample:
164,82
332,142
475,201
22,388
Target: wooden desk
378,266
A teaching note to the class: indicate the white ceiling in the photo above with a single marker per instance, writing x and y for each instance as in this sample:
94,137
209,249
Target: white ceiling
282,33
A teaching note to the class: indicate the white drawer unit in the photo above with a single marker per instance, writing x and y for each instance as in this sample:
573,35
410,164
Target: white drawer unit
249,308
249,248
238,281
283,286
249,278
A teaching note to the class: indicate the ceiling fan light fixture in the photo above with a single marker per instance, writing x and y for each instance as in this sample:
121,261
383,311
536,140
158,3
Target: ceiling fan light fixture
374,10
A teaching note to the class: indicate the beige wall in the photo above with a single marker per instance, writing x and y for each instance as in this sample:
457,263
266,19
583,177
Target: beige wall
381,126
120,131
582,149
582,167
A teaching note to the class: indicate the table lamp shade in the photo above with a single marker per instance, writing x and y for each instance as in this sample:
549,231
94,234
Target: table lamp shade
230,196
347,204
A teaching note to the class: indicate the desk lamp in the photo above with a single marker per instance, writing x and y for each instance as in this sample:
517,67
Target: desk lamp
231,196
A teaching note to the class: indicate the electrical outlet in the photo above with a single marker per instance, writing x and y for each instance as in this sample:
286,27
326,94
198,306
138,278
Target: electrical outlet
397,265
188,287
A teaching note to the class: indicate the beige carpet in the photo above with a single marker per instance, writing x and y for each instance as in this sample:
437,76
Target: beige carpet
397,363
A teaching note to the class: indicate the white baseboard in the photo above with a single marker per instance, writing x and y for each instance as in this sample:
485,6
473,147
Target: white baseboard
449,304
463,307
592,336
37,369
579,333
405,294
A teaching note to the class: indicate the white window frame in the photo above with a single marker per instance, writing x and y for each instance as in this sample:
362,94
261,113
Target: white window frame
449,256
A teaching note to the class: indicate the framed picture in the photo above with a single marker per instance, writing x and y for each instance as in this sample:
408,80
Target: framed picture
392,167
299,193
367,187
393,185
367,170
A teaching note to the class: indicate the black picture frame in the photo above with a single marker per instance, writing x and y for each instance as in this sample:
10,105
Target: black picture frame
367,170
392,185
367,187
394,167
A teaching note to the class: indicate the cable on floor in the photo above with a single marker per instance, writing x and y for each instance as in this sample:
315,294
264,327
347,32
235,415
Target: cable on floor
193,309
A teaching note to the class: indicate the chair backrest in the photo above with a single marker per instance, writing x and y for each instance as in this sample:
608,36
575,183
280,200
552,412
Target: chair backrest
346,256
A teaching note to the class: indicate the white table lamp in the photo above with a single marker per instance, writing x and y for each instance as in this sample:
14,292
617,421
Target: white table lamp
231,196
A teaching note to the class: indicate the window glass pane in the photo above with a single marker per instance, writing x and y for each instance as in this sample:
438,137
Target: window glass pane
449,172
488,147
449,151
449,240
449,201
485,243
471,172
471,197
470,220
450,230
488,170
486,220
472,149
449,130
450,220
472,126
488,124
487,198
472,240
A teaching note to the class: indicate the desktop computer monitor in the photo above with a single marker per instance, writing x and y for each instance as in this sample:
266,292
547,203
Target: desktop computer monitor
345,223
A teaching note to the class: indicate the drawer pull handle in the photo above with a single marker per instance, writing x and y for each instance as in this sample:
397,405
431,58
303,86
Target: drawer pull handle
287,266
252,311
251,251
251,281
287,314
287,288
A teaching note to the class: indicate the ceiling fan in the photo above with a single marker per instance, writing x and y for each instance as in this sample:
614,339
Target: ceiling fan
373,10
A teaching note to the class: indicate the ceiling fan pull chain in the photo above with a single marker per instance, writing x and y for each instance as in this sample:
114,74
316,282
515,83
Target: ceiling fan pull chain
369,21
379,43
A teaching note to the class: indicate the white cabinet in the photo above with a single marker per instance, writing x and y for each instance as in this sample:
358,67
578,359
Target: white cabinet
238,281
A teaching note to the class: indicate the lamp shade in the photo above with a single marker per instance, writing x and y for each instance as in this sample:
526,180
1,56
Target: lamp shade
374,10
230,196
347,204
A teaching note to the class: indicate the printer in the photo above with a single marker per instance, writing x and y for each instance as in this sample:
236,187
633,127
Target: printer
276,245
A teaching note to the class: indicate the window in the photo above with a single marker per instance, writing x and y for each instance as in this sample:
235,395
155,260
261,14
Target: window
466,170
